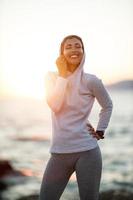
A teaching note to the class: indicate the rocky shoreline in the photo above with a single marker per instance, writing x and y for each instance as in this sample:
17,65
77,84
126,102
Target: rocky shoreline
6,170
106,195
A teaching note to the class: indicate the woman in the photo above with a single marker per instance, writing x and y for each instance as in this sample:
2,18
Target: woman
70,93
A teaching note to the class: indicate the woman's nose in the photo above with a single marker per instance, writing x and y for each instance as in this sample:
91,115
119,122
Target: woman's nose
73,47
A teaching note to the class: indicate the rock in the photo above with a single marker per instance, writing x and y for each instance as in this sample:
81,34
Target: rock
3,186
116,195
31,197
8,175
6,169
106,195
35,138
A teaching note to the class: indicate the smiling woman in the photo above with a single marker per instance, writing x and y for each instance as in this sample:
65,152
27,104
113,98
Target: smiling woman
70,94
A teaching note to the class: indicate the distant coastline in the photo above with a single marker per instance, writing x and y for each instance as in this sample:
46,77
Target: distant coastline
118,86
121,85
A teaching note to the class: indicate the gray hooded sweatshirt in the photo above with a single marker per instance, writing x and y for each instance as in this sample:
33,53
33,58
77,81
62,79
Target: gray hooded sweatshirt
71,100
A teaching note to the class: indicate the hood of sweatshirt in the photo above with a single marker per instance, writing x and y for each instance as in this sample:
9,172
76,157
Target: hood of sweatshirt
72,96
74,80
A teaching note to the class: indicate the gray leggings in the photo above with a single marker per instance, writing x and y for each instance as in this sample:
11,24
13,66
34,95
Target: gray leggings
86,164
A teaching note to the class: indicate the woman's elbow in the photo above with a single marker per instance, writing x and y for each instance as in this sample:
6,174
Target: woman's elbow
110,105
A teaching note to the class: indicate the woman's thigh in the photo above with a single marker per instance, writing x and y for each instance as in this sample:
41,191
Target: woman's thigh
88,172
55,178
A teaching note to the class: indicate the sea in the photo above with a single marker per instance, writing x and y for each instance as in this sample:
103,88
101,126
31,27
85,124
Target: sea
25,138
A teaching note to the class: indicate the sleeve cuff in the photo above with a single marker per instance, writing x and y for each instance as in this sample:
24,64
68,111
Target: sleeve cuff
60,78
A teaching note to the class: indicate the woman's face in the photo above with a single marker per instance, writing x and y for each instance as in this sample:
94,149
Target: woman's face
73,51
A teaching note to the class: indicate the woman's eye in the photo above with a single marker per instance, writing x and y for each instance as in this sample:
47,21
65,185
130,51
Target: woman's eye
69,47
78,46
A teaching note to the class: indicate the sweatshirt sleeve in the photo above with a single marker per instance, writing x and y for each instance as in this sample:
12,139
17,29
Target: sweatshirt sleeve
105,102
55,90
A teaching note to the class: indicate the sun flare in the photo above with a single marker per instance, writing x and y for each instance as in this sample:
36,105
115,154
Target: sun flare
29,43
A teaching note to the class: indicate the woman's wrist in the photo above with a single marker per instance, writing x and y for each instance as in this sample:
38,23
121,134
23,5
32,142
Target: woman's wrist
64,75
100,133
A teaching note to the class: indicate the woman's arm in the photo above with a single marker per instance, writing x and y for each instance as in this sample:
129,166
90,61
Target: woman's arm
105,102
55,91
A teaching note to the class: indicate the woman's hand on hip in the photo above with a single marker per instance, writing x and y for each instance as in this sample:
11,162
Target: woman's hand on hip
94,133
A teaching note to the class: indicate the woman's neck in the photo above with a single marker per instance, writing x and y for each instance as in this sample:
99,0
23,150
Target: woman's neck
72,68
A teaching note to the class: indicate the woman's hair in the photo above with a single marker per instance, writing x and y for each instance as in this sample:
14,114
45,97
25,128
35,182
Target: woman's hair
70,37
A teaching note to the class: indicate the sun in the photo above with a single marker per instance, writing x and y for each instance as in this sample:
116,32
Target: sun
25,82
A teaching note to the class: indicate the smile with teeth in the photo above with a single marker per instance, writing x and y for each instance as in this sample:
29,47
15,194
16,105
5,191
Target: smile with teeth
74,56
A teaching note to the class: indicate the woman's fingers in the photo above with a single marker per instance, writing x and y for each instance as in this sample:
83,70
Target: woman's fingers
96,136
61,63
90,127
93,133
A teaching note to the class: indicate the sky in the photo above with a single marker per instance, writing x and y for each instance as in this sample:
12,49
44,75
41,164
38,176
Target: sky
31,32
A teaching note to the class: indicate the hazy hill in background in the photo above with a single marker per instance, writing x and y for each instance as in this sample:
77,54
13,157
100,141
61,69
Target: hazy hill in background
122,85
